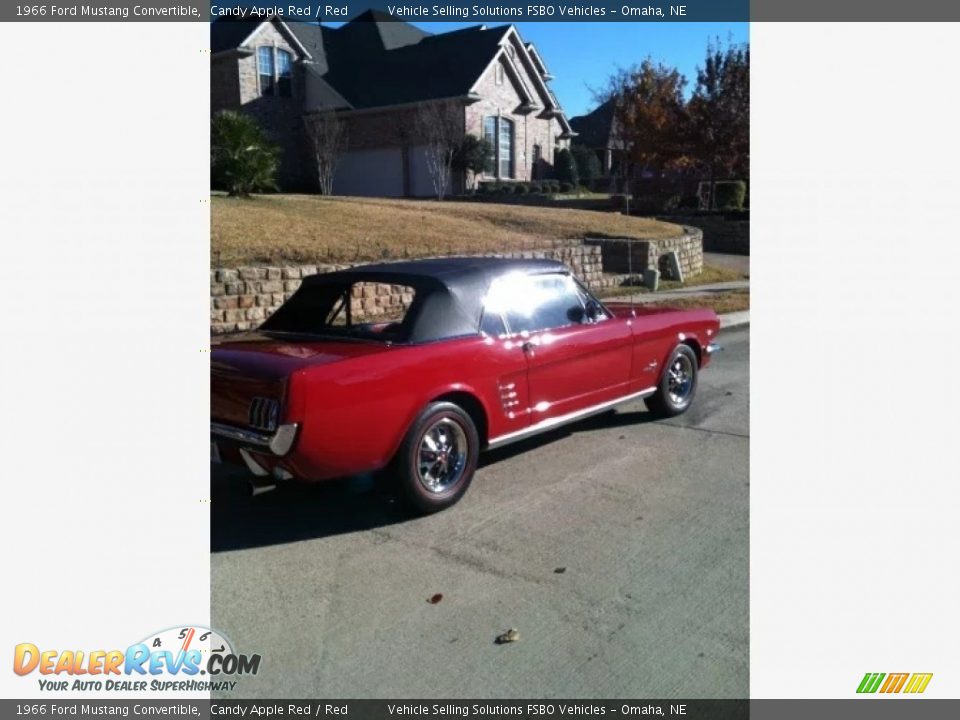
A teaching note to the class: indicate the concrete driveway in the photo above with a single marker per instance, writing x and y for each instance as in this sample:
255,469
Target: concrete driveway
617,547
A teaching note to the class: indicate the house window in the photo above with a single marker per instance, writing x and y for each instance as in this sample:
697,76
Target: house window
498,131
284,73
490,135
506,148
499,74
537,159
265,69
275,69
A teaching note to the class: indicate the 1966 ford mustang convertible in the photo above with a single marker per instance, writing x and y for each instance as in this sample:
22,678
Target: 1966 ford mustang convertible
419,366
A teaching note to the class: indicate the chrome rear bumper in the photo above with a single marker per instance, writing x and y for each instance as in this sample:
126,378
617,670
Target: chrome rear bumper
279,443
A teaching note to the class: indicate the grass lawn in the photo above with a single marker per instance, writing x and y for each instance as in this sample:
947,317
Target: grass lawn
277,229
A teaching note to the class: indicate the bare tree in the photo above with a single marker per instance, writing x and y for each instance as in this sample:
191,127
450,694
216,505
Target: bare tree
439,126
328,138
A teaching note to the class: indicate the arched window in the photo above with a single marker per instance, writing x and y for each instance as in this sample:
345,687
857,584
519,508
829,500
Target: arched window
498,131
265,70
284,73
490,135
275,70
506,148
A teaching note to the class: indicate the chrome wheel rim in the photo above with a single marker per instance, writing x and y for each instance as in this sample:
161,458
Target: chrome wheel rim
680,379
442,455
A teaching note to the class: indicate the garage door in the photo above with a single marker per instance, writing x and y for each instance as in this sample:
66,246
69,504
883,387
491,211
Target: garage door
370,173
421,184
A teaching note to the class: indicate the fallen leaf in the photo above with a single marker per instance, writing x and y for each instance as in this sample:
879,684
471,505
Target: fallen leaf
511,635
560,570
434,599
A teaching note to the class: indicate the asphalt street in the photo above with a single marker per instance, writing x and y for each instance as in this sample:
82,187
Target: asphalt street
617,547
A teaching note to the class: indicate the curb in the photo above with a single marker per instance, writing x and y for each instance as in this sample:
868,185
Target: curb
734,319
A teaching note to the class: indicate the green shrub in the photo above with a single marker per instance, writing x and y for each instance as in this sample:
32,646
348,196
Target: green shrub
566,167
566,187
521,188
242,160
588,164
536,187
729,194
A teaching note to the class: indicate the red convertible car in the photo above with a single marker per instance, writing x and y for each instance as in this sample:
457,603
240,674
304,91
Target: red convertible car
421,365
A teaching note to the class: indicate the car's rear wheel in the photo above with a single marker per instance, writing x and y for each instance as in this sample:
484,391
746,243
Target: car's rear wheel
678,384
438,457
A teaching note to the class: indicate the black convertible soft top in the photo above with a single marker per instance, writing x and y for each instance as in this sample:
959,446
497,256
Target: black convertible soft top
449,291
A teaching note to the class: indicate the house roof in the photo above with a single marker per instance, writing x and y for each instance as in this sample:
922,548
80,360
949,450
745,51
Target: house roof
376,61
595,128
368,74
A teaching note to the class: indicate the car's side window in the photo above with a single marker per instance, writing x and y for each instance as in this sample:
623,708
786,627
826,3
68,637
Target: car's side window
539,302
492,324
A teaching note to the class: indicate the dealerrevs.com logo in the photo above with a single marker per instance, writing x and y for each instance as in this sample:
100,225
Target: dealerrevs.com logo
911,683
181,659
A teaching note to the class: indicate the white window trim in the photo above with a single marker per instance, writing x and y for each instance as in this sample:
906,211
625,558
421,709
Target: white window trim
274,53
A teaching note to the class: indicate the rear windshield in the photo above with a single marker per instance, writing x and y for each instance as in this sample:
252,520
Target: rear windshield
367,310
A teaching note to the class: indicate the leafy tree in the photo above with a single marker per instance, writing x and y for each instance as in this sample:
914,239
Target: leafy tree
242,160
588,164
649,115
473,156
565,167
720,111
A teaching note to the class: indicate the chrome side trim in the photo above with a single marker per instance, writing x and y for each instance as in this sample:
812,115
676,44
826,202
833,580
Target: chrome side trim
280,443
242,435
551,423
712,348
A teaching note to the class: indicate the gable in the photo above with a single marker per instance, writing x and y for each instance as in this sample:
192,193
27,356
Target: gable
229,34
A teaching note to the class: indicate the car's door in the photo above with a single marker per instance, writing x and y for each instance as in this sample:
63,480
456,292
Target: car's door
577,358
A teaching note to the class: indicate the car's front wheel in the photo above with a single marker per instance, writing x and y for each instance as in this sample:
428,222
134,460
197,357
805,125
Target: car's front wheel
678,383
438,457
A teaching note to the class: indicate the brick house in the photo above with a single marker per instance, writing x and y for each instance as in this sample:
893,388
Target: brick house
376,73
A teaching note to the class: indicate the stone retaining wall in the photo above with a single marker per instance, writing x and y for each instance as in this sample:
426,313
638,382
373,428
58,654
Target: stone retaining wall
242,298
623,256
721,233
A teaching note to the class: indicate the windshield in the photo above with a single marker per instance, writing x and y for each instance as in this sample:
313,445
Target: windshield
363,310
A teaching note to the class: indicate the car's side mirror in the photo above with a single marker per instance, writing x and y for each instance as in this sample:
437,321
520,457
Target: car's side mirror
576,314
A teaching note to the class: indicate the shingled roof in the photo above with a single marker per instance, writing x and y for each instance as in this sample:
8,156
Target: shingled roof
369,77
376,61
595,128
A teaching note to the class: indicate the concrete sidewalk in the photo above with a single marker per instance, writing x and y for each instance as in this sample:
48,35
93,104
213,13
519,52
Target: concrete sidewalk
691,291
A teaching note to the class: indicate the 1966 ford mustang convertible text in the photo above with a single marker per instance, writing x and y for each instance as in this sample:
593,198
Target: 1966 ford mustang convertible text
421,365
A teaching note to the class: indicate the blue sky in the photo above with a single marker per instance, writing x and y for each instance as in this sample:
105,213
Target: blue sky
583,55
